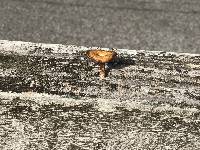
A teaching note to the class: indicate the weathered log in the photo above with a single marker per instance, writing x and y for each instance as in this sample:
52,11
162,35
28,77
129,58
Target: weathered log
149,99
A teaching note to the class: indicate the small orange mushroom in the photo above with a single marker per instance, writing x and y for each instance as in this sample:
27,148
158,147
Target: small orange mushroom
101,57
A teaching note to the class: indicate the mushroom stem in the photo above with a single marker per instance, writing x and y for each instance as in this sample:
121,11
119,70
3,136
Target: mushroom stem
102,72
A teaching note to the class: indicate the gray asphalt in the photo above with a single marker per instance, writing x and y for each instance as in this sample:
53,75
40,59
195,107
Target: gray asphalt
169,25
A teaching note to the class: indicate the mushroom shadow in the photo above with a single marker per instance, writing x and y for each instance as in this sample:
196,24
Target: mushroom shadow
119,63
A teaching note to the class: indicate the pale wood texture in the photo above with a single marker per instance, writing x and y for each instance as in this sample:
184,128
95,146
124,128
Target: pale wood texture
51,97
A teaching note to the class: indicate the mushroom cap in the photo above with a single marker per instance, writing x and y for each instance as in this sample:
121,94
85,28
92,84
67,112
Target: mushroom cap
101,56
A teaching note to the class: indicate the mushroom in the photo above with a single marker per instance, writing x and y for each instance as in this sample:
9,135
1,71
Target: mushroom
101,57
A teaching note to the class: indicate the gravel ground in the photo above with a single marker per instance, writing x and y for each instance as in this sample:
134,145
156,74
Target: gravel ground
169,25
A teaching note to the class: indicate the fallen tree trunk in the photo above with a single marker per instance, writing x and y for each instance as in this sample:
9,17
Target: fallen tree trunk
149,99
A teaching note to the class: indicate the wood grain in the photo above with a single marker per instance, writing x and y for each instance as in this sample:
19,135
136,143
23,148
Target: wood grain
51,97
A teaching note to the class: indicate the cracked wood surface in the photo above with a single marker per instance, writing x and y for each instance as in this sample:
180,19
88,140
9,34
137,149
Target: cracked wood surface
146,94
